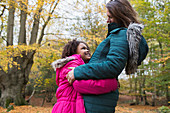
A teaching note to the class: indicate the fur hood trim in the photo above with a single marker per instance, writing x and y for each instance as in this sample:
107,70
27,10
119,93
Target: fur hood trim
61,62
133,37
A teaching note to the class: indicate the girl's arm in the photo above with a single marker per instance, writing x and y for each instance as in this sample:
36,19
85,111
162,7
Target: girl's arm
95,86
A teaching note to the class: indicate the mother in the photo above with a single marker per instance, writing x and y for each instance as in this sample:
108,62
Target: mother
123,47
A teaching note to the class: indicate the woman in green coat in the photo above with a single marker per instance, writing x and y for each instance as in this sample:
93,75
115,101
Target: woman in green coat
124,47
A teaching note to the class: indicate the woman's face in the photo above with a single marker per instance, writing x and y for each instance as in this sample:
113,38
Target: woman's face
82,50
110,19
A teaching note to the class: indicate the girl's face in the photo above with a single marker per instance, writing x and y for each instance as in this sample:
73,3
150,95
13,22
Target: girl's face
110,18
82,50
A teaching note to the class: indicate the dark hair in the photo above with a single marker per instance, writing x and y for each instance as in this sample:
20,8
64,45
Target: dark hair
71,48
122,12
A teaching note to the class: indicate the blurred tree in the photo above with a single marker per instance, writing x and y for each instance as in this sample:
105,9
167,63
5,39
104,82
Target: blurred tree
152,77
154,15
16,60
91,25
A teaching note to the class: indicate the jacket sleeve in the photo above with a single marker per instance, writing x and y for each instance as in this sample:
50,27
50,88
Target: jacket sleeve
95,86
113,65
72,63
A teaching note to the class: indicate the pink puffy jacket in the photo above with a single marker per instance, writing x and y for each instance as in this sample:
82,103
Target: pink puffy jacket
69,97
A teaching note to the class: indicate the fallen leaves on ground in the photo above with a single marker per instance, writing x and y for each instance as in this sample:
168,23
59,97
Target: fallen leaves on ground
122,108
125,108
28,109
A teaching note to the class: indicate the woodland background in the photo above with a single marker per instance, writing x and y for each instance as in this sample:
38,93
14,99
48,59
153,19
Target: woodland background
34,32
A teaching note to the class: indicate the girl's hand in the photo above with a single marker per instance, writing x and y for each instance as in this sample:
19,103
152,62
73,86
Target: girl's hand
70,75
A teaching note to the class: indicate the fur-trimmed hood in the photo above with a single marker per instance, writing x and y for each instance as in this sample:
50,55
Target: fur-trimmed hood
133,37
61,62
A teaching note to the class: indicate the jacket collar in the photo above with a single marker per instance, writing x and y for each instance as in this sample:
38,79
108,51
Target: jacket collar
111,27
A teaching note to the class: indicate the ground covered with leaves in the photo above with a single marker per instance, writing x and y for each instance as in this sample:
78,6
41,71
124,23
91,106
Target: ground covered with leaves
122,107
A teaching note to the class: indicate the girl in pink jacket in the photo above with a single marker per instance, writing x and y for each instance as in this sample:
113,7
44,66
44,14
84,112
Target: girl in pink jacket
69,97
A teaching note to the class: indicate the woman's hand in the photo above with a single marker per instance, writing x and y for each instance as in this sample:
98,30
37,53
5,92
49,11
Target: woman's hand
70,75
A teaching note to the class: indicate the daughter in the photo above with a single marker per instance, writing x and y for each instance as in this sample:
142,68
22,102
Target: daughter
69,98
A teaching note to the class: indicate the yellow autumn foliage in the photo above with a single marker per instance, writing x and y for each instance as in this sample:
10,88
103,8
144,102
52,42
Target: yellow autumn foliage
9,53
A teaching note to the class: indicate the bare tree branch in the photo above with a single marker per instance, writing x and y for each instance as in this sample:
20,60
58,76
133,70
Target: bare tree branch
2,26
61,34
3,10
45,24
70,18
30,96
43,19
4,39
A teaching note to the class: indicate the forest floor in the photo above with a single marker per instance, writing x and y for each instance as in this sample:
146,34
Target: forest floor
122,107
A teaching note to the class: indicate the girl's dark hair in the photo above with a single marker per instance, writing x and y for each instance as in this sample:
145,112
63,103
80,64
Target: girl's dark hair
122,12
71,48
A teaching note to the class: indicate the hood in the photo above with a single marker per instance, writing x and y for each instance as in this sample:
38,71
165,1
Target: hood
58,64
61,62
133,37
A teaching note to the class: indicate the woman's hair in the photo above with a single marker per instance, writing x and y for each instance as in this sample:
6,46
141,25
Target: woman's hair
71,48
122,12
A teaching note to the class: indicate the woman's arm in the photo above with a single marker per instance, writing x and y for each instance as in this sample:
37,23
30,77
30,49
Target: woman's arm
113,65
95,86
91,86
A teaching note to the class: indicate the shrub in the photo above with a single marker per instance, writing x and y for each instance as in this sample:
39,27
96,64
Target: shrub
164,109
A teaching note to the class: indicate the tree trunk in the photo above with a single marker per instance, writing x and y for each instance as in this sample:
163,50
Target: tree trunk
144,93
35,28
166,86
15,79
130,84
22,33
10,24
12,93
12,83
167,95
43,100
137,99
154,96
140,85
